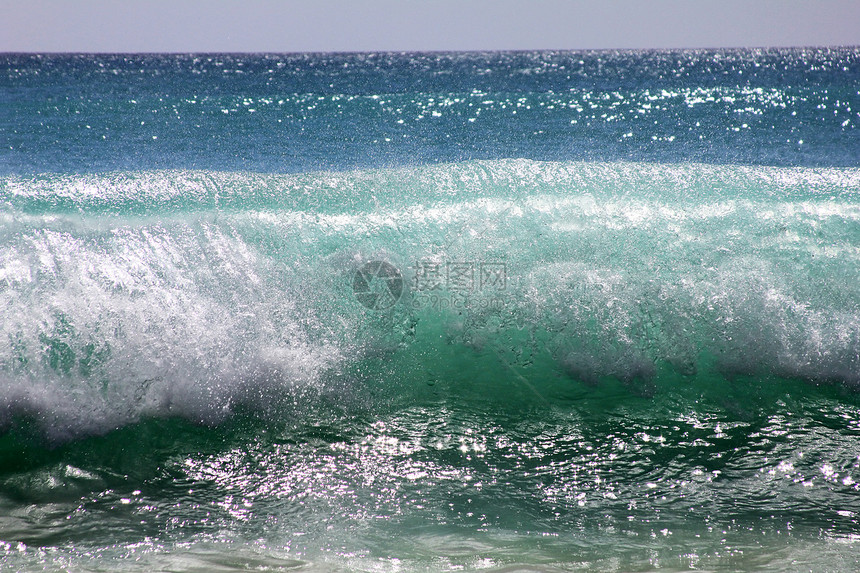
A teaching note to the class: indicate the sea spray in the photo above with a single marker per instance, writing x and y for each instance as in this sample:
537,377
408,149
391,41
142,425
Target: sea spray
118,307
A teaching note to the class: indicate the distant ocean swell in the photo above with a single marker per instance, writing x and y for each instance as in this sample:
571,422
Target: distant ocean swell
202,294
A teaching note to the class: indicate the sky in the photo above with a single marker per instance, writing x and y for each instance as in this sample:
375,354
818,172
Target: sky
420,25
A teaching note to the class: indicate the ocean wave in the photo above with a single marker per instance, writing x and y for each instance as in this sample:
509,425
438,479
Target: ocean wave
199,294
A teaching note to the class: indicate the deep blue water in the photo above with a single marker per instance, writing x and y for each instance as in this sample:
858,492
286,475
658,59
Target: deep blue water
297,113
419,312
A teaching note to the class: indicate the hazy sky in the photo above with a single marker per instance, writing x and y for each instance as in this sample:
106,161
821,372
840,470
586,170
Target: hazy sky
369,25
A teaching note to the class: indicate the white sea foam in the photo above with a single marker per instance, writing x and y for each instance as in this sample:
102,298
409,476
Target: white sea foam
198,293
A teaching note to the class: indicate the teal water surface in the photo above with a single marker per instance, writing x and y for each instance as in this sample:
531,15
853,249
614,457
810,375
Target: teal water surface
283,330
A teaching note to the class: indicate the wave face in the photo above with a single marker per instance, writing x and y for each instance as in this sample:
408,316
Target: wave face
195,293
423,312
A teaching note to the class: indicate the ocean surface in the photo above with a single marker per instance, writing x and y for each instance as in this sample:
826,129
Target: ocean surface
532,311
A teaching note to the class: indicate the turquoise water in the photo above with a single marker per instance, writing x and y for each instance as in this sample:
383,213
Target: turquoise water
430,312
